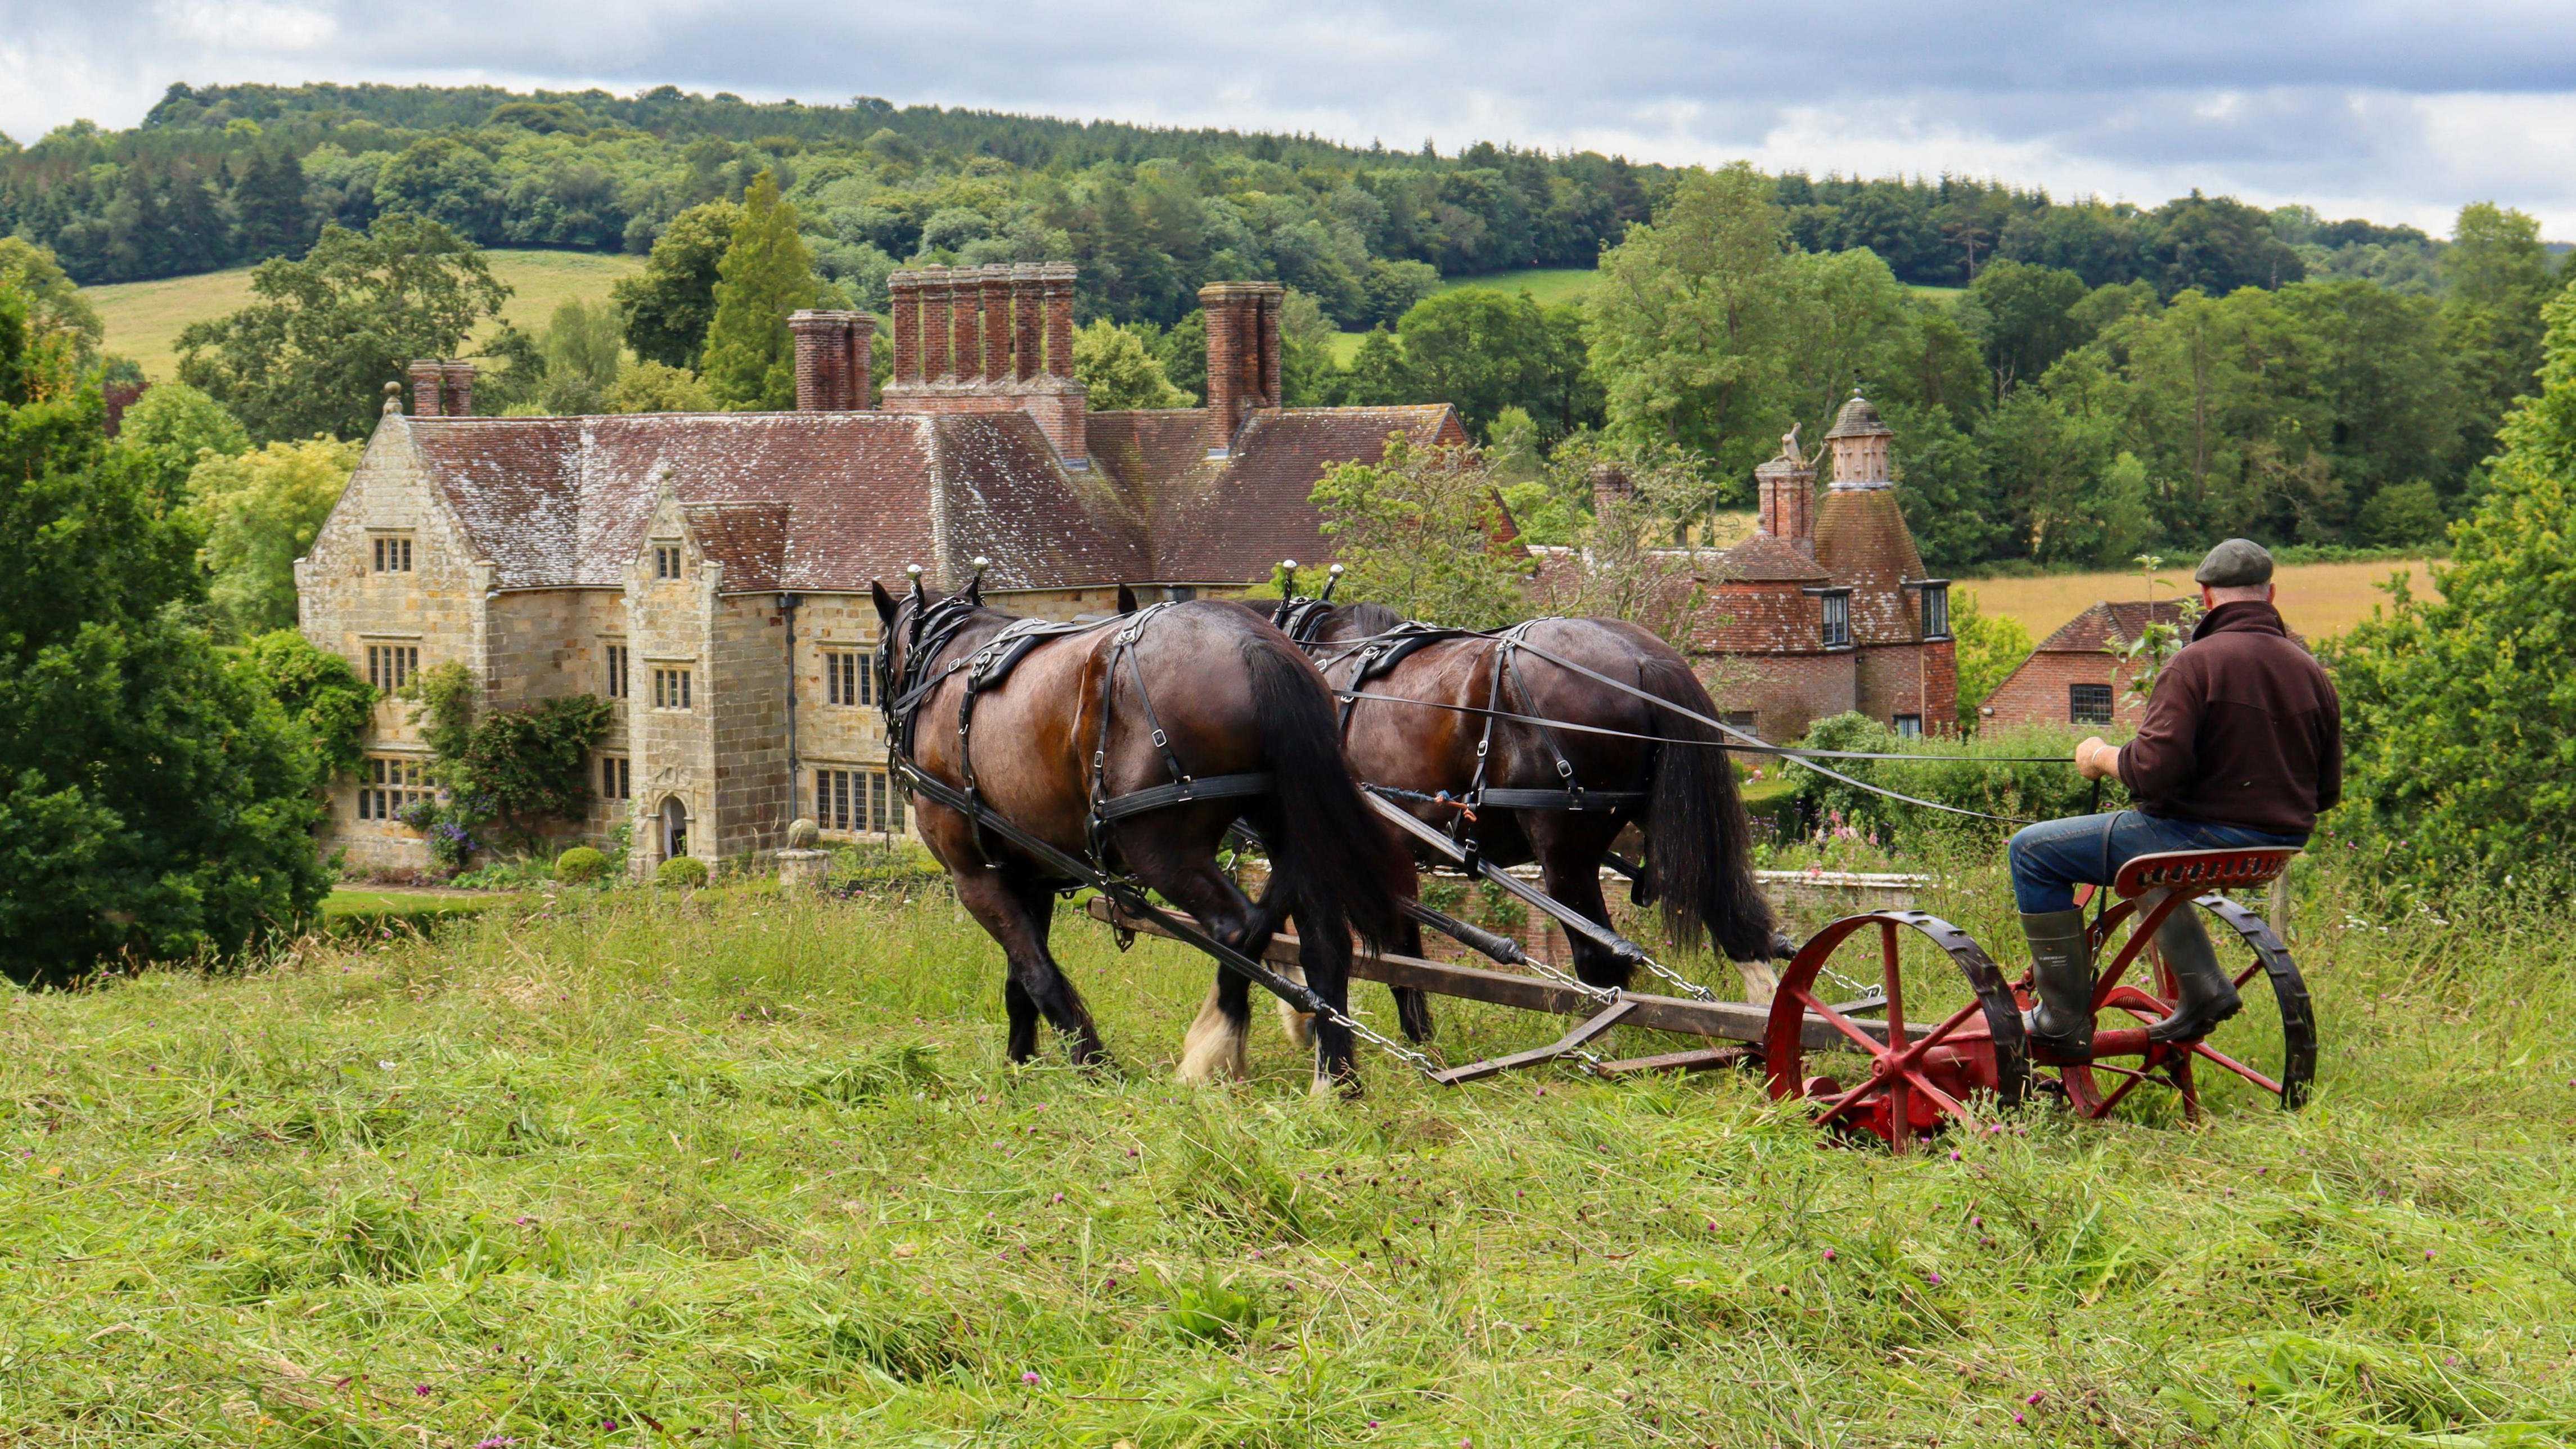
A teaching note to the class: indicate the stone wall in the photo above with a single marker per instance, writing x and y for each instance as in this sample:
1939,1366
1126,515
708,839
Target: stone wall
747,695
669,623
344,605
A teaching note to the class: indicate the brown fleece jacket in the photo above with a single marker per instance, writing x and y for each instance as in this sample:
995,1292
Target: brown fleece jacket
2243,729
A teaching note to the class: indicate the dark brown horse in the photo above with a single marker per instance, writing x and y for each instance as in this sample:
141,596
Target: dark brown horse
1668,778
1209,691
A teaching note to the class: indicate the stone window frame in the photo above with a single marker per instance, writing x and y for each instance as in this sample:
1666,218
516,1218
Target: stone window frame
617,661
849,676
390,550
391,660
856,798
669,560
671,683
616,776
389,781
1908,726
2081,695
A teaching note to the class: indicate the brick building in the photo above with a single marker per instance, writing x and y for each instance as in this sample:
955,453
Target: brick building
708,573
2073,678
1827,607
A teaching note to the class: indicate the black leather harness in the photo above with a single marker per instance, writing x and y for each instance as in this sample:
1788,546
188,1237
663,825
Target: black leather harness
936,626
1378,656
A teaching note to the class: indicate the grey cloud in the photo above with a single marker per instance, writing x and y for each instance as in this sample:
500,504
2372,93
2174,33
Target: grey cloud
2283,100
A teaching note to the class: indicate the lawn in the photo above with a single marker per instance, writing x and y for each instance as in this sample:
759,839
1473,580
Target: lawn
2318,600
635,1169
144,318
1547,284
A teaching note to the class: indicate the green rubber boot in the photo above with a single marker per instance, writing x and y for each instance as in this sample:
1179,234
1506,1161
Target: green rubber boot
2061,972
2208,997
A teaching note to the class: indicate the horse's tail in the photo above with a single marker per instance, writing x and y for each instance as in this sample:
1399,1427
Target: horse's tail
1329,853
1699,850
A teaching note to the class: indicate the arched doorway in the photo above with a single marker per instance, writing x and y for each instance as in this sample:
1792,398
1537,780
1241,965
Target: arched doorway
675,828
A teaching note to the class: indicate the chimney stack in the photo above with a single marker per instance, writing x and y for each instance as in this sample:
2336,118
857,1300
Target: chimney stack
1058,280
427,381
1610,488
1028,321
995,284
1788,494
832,360
1242,355
457,389
966,294
903,300
938,324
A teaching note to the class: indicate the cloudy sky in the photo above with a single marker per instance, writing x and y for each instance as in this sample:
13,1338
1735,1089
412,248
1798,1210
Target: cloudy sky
2398,110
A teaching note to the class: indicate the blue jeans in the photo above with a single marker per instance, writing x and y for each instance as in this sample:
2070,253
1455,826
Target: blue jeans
2051,858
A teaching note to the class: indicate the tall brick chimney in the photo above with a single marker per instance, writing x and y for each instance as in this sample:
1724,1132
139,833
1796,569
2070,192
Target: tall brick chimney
1788,496
966,296
832,360
938,324
1242,355
903,301
427,382
1058,279
1028,321
456,390
995,284
1610,488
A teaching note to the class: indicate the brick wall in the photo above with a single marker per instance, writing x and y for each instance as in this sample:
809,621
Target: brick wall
2038,692
1785,692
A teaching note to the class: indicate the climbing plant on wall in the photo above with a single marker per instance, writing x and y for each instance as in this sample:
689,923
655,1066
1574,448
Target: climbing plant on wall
509,769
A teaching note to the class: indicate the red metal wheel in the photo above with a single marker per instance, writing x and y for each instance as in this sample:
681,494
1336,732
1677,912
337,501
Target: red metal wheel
1917,1079
2239,1050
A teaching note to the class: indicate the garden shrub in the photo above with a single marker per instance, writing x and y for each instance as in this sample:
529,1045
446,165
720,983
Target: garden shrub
685,872
1988,773
580,865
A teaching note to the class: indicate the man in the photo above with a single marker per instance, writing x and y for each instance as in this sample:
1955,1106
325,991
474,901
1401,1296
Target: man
2242,745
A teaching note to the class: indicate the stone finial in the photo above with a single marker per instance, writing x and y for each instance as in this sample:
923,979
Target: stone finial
802,834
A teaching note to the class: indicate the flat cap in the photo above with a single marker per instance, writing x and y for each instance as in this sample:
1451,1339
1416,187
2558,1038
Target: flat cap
2238,563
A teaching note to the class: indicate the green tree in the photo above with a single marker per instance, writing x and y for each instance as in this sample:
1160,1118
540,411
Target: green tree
324,334
1483,351
666,310
261,511
1686,323
2460,712
2024,319
2498,278
1423,532
1121,371
175,426
321,695
55,307
582,350
1990,648
652,387
765,275
155,799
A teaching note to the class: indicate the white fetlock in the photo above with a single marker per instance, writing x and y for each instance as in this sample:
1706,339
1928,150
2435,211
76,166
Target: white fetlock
1214,1049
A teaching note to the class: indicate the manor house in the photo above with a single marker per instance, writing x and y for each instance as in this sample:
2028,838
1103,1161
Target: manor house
709,572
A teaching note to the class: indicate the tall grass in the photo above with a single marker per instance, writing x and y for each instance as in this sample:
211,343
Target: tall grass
752,1171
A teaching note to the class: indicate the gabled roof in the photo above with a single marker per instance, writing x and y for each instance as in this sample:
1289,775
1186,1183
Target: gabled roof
1228,520
2106,623
827,501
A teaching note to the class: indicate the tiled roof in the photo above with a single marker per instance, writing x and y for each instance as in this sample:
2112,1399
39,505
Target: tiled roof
1229,520
1862,540
2108,623
842,497
1769,559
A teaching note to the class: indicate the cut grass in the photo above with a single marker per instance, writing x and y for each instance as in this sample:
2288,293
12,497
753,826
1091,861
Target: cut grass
2318,600
144,318
647,1169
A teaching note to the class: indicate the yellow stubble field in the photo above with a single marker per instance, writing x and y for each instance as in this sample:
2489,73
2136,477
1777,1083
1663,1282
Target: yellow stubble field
2317,600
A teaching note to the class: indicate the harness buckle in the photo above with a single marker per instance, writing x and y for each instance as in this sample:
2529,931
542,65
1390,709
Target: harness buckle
1159,740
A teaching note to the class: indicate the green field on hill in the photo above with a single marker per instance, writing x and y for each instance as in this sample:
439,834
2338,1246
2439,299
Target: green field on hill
635,1169
144,318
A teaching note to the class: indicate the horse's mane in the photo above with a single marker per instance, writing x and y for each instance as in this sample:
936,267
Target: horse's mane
1370,618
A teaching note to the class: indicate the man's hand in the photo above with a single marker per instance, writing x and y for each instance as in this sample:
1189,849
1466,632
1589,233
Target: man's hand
2096,758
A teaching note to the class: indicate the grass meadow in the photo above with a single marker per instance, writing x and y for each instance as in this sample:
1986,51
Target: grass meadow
734,1169
144,318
